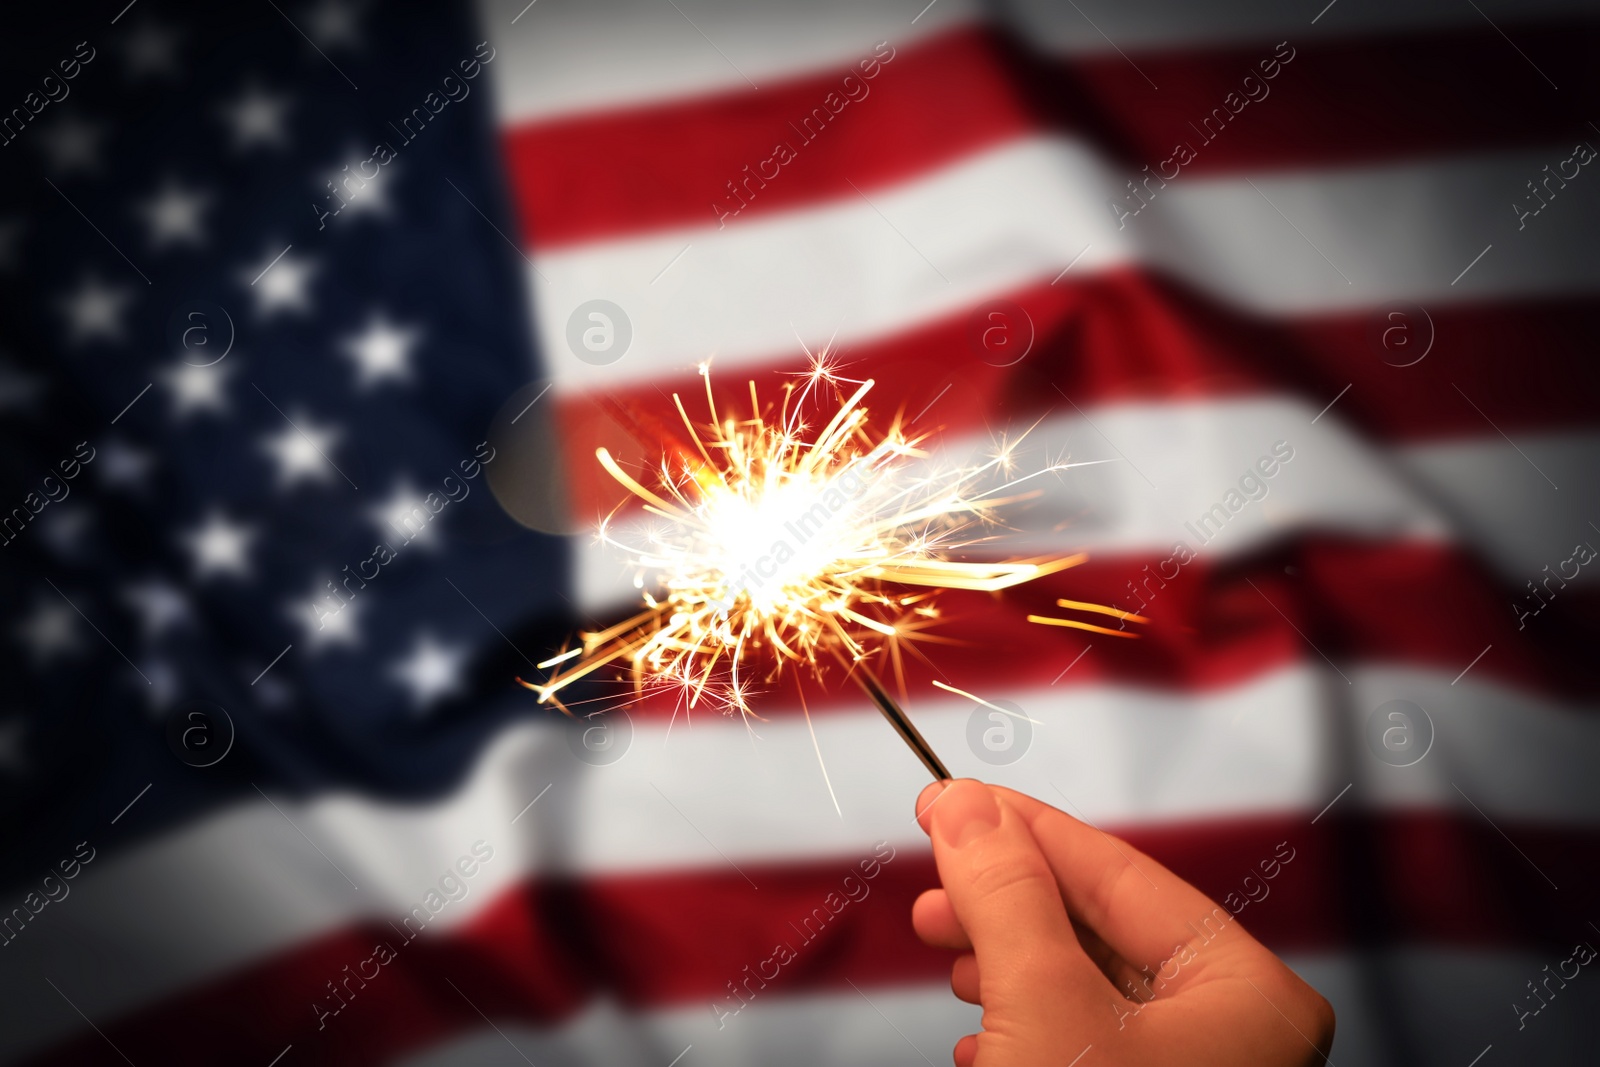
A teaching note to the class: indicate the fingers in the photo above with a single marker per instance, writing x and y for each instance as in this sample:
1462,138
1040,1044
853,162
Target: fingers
1004,895
966,1051
1122,975
934,920
964,978
1141,910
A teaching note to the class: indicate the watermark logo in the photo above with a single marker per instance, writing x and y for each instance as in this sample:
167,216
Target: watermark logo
599,332
202,332
1000,332
199,733
999,738
1401,334
601,740
1400,733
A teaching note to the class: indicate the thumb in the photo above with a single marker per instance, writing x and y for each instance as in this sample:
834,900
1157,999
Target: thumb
1003,892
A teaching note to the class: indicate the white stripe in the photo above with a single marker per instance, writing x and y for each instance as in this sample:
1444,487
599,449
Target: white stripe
1499,500
563,59
243,884
1455,1003
1014,215
776,1029
1172,463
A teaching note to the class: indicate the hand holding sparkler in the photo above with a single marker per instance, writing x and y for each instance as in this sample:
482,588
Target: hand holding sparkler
1067,943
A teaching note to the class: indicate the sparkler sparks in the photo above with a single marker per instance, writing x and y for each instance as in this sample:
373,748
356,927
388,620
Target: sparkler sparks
782,549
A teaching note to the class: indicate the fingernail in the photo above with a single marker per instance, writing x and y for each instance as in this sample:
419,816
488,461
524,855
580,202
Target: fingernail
927,799
966,810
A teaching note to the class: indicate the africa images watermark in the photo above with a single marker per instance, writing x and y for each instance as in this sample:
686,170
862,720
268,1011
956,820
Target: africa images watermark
847,488
1582,955
383,553
384,153
55,890
855,890
1582,553
1254,485
32,504
853,89
1252,88
17,120
1153,981
1582,153
452,888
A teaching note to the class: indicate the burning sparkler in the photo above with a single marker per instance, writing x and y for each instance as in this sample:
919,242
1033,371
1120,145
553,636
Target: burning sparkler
777,549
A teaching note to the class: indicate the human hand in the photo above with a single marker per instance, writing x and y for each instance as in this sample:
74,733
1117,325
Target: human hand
1070,939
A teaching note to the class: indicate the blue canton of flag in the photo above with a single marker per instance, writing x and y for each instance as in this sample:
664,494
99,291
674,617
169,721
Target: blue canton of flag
263,314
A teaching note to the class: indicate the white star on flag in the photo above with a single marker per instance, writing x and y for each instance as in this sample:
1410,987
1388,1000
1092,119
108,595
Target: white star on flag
163,687
120,465
151,49
220,546
95,311
72,144
173,215
196,389
279,283
63,529
257,118
328,618
333,23
431,672
382,351
18,391
159,604
405,515
301,450
50,631
357,187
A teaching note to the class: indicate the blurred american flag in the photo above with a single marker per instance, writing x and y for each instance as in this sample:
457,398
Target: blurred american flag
1180,238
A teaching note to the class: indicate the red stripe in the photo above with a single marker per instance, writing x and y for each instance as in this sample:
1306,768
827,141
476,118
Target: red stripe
623,172
654,167
1215,626
1129,336
539,954
1340,102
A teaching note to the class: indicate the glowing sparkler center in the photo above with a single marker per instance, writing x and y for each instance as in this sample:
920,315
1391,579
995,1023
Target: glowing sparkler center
773,541
807,547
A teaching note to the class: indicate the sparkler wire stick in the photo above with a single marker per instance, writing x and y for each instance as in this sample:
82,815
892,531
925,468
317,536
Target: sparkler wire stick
901,722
